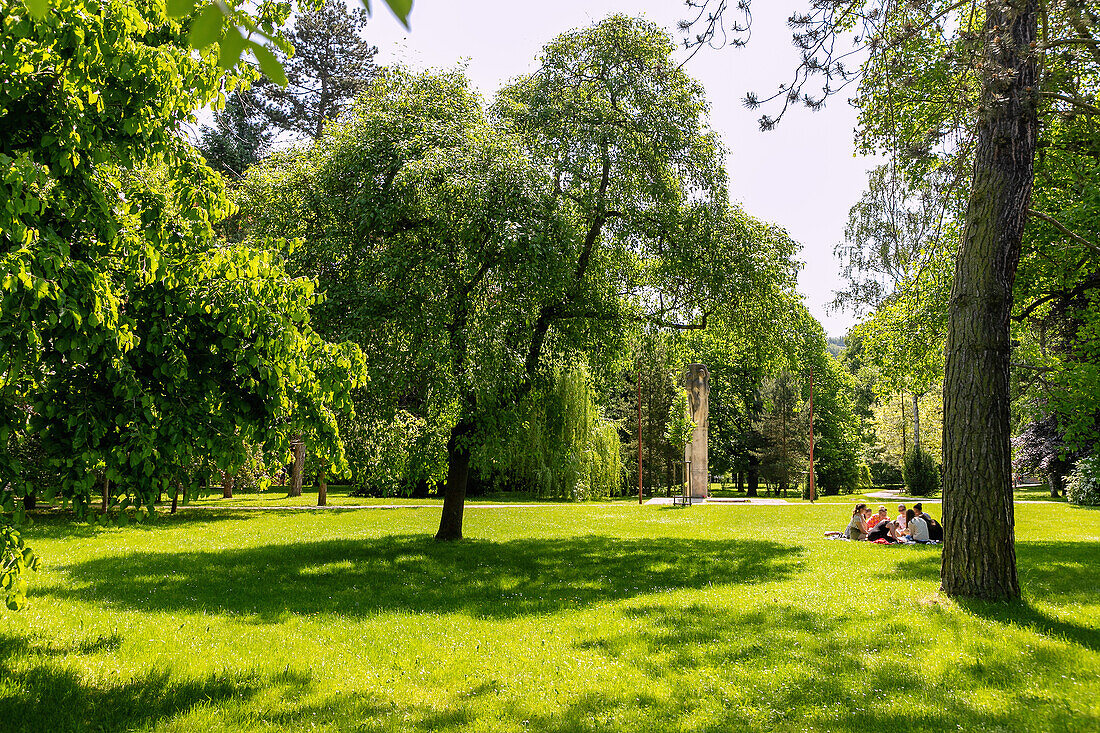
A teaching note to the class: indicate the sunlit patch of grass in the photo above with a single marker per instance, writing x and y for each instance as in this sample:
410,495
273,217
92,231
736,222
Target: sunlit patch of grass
599,617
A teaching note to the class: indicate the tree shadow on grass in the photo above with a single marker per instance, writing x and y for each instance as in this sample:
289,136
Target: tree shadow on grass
1063,573
62,525
846,671
39,694
1060,572
480,578
710,667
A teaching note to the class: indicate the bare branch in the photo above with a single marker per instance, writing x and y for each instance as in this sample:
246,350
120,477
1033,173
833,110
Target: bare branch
1064,229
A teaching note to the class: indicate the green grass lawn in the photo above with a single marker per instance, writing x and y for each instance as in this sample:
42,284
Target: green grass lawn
556,618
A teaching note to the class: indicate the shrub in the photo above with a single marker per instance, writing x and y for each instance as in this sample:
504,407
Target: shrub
884,474
1083,487
922,477
865,483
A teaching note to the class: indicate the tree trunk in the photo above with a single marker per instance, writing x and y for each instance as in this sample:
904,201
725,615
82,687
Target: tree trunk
299,448
322,489
175,497
227,485
740,481
904,437
754,479
979,554
105,495
1054,480
458,471
916,422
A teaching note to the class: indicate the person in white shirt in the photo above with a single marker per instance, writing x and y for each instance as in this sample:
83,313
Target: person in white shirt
918,528
901,517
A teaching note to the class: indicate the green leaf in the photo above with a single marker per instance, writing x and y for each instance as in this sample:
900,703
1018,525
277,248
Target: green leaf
270,65
180,8
206,27
401,8
231,47
38,8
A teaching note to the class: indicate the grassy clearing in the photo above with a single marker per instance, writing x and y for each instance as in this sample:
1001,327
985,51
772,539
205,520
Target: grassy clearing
557,618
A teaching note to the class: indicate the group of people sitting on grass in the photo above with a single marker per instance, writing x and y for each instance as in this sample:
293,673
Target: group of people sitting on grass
911,526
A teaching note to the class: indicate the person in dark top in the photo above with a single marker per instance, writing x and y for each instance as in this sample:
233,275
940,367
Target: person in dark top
935,529
884,530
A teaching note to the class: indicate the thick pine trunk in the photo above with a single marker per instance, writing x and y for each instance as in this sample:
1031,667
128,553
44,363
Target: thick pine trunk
979,554
458,471
299,448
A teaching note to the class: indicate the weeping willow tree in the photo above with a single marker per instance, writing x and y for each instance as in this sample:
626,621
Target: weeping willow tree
564,448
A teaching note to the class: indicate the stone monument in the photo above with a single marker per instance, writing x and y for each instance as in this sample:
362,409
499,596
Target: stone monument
698,389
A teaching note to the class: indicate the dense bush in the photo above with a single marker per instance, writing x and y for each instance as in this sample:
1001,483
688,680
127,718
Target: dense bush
922,476
1083,486
883,474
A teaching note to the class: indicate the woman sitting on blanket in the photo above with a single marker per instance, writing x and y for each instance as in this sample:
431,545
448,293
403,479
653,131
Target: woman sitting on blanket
917,528
857,528
882,528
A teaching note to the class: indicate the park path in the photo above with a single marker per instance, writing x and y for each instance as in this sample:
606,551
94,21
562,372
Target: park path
667,501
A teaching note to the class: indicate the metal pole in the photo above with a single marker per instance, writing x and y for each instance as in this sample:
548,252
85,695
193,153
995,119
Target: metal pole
639,428
813,489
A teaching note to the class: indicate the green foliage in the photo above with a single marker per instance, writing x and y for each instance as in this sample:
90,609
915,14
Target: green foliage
15,559
865,483
1083,486
679,427
136,343
564,448
239,139
784,427
921,475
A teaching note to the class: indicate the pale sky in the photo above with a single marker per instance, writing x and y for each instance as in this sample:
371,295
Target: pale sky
801,176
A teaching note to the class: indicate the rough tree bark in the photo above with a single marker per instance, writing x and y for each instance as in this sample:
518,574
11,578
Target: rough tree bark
299,447
979,555
458,470
322,489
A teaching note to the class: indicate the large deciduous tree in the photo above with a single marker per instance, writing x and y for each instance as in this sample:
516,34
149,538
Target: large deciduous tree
466,252
970,80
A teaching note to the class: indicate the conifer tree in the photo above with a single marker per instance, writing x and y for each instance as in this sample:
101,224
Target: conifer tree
330,66
240,138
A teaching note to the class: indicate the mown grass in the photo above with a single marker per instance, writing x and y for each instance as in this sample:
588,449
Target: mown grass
554,618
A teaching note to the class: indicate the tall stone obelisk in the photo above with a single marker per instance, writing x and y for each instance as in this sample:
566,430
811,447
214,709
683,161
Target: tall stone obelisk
698,389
